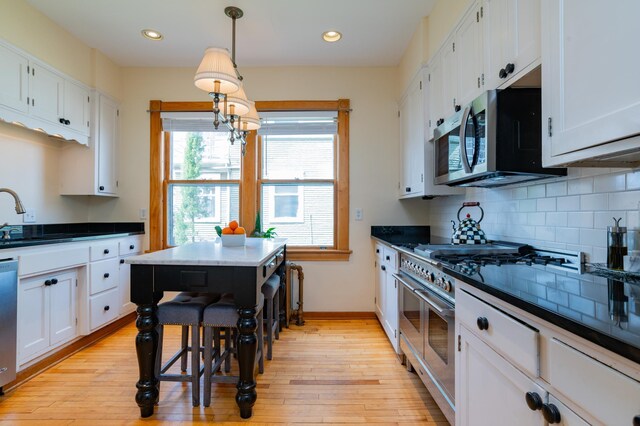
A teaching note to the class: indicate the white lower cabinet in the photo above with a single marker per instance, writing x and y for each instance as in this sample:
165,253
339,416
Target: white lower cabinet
104,308
386,294
47,313
489,390
497,384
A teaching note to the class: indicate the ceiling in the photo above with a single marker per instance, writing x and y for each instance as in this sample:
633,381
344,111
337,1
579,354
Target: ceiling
271,33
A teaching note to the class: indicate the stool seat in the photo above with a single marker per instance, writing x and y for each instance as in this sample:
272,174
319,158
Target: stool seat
184,310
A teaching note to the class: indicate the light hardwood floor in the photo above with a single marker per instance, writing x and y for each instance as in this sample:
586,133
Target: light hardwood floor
327,371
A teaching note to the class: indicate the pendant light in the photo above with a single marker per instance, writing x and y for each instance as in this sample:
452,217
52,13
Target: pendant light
218,75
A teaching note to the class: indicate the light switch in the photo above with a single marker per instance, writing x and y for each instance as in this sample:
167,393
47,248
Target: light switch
143,213
358,214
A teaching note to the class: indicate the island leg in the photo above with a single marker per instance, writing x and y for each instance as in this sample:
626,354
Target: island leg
146,349
247,346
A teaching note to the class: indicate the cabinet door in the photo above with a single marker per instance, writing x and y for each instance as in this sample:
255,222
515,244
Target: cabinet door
124,288
469,55
381,278
107,145
76,107
590,93
391,307
46,89
33,318
494,20
489,390
449,77
405,147
435,86
62,314
523,40
13,80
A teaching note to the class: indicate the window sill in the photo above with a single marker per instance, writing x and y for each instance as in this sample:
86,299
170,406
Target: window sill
317,254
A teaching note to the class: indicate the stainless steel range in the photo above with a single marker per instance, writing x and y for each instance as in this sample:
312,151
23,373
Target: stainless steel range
427,304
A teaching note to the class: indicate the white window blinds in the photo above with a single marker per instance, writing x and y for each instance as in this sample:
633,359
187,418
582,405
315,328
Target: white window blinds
299,123
189,122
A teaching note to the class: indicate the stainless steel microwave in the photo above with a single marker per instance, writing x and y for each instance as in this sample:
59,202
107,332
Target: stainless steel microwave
493,141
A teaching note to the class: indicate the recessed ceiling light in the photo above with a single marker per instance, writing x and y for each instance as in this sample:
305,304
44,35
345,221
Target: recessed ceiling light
152,34
331,36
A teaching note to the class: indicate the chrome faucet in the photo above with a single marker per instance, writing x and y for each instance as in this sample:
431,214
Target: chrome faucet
6,234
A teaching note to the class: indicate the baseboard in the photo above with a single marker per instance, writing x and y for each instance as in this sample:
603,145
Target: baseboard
338,315
65,352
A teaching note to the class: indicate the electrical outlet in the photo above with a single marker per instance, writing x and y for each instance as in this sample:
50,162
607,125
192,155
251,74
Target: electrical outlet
143,213
29,216
358,214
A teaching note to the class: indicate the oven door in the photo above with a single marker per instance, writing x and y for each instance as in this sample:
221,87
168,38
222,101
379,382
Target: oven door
411,311
439,337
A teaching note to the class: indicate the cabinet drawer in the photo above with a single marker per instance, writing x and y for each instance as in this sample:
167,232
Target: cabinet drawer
104,275
390,258
515,340
608,395
130,245
104,308
54,259
103,251
379,250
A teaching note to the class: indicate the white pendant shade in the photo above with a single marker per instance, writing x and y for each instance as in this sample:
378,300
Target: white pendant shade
217,67
237,103
250,121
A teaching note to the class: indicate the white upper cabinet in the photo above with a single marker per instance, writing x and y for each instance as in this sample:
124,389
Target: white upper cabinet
449,77
512,39
14,80
93,170
434,110
590,88
39,97
469,46
411,137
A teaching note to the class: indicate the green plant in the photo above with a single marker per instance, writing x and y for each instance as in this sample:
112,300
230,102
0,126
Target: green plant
257,231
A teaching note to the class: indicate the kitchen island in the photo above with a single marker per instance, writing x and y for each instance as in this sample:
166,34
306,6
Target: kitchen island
203,267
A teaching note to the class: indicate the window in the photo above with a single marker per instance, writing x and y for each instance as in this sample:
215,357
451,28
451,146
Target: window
295,174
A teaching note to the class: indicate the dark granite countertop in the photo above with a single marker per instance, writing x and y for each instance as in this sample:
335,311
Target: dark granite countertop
33,235
399,235
600,309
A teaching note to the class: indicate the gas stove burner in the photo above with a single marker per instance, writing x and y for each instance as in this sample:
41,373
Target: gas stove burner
408,246
468,261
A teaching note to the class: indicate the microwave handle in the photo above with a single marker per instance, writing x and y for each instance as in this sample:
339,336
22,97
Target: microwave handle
463,140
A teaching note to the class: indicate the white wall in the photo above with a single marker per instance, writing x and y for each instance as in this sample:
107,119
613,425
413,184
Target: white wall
330,286
571,213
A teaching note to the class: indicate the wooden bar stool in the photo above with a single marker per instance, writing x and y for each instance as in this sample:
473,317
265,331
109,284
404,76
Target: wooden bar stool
271,291
184,310
222,318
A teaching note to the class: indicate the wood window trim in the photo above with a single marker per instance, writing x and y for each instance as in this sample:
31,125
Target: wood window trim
249,200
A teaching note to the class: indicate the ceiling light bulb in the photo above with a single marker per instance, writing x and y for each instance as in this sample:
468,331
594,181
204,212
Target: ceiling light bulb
152,34
331,36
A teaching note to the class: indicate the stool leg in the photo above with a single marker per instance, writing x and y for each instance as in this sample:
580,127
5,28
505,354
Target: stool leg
217,350
185,344
227,349
195,365
208,360
276,308
269,304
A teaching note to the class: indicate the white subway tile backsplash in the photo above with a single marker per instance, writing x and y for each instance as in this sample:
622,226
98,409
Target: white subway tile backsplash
568,235
520,193
580,219
546,204
580,186
603,219
536,191
599,254
545,233
527,206
594,202
536,219
568,204
633,219
556,219
633,180
609,183
624,200
593,237
557,189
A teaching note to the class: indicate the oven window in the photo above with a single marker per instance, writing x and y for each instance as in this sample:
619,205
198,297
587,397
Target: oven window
438,335
411,309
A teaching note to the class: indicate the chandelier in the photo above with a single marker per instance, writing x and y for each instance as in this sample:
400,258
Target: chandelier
218,75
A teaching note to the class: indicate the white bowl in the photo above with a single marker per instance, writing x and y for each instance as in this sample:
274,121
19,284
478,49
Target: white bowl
233,240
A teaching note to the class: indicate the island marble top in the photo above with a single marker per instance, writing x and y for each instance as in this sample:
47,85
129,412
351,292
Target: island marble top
213,253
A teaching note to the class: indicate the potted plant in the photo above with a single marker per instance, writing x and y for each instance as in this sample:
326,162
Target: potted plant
257,232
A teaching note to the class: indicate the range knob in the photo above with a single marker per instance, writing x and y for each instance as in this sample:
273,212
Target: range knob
431,277
446,285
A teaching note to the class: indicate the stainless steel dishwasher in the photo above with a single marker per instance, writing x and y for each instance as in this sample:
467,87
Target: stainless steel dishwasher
8,320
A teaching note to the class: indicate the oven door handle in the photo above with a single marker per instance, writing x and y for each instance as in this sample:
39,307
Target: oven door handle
441,309
463,140
406,284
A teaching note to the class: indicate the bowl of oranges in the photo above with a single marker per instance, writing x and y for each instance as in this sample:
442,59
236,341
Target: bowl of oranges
233,235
